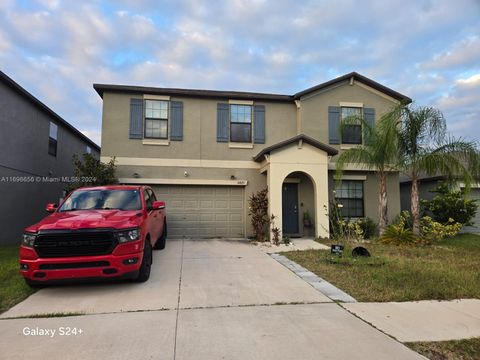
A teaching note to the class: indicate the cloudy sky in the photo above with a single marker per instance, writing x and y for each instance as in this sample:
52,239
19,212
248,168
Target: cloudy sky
427,49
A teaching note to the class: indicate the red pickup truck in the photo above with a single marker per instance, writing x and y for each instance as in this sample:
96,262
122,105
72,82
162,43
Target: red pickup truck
96,232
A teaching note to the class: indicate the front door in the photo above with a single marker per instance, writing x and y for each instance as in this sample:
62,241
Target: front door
290,208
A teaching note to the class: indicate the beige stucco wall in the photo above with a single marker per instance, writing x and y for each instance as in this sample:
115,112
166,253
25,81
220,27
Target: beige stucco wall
202,157
314,107
199,131
309,160
370,193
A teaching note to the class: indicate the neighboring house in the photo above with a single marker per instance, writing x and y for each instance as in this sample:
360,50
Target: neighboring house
36,148
205,152
426,188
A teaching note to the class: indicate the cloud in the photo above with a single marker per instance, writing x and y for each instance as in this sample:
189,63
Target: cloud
427,50
466,52
460,106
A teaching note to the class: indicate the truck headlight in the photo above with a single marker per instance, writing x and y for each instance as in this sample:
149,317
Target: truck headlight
128,235
28,239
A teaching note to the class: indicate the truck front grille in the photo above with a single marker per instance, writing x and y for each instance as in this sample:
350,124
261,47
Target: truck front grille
75,243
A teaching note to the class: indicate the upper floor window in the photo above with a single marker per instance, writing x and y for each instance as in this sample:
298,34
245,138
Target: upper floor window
52,139
349,194
88,150
156,119
352,131
241,123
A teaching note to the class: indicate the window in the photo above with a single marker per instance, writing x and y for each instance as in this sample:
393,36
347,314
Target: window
241,123
88,150
352,132
349,195
52,139
156,119
152,195
102,200
148,200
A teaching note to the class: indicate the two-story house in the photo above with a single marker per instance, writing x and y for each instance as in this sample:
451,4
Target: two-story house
36,149
205,152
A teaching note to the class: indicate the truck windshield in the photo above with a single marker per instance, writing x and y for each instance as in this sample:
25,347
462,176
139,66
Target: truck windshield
103,199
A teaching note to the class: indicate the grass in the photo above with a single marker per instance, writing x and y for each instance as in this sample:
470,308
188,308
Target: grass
468,349
444,271
13,288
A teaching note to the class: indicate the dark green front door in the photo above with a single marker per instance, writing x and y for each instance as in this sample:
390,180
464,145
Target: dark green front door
290,208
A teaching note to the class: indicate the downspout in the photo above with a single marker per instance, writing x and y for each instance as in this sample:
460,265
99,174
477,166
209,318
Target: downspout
298,117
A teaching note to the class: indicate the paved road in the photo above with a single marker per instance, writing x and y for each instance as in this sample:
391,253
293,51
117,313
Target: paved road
205,300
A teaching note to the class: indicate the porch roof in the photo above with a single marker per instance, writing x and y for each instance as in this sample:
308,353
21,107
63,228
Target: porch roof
307,139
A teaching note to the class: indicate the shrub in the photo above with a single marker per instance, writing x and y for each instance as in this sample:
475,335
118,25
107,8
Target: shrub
369,227
276,232
450,204
432,231
90,171
258,211
399,233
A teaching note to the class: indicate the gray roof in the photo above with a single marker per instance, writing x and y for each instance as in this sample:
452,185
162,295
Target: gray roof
217,94
22,92
307,139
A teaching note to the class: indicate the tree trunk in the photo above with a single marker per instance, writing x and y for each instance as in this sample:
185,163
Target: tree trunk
382,204
415,206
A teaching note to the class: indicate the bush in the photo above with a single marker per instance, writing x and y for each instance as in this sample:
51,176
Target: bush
432,231
92,172
369,227
258,211
399,233
450,204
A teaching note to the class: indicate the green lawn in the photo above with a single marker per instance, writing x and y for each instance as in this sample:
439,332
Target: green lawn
447,270
449,350
13,288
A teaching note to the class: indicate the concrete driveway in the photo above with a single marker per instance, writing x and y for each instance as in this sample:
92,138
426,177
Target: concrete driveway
205,300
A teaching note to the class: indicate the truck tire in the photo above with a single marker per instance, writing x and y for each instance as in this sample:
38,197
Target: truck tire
144,271
162,240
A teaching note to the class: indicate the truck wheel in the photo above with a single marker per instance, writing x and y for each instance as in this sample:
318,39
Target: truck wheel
162,240
144,272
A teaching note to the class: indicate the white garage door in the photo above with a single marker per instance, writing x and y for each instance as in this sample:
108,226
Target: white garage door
203,211
474,194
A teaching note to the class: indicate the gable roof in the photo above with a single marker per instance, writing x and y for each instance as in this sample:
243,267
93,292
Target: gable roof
355,76
243,95
307,139
9,82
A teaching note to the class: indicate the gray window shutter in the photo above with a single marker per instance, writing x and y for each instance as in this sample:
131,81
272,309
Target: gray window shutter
223,120
176,121
259,124
334,124
369,118
136,118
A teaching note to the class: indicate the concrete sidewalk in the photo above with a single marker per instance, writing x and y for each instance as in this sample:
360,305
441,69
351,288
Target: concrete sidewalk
213,299
422,320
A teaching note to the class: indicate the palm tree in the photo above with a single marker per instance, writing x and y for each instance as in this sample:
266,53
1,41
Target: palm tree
378,153
426,149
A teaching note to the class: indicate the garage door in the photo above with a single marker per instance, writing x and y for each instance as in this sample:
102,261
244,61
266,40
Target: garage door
474,194
203,211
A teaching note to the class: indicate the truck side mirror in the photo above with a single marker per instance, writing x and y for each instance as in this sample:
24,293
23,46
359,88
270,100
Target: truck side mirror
158,205
51,207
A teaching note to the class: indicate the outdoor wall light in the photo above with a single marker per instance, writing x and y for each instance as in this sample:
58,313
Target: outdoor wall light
232,177
136,175
185,173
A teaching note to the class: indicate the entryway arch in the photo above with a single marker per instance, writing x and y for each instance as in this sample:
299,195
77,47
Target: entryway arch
303,155
298,205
